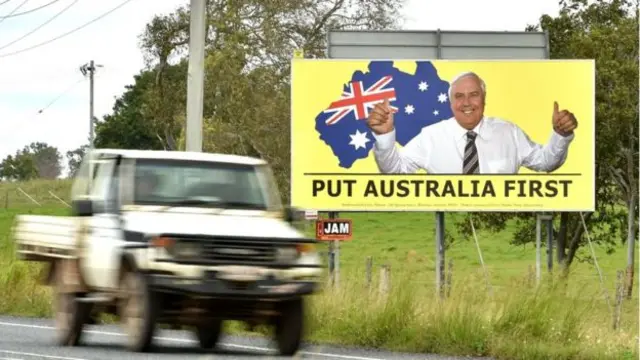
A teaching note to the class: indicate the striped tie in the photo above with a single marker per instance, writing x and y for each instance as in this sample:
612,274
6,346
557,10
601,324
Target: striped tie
470,164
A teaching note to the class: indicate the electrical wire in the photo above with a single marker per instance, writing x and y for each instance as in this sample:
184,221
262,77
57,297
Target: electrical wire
61,95
67,33
41,25
29,119
4,2
29,11
14,10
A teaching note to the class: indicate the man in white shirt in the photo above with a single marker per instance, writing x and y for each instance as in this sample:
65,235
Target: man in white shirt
469,142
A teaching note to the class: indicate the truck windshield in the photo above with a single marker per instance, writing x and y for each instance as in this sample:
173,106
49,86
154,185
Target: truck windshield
204,183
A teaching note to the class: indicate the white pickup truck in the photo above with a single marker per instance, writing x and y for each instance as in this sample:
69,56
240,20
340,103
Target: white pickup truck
178,238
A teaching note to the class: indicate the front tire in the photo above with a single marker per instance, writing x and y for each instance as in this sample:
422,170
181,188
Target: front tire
139,310
289,327
70,314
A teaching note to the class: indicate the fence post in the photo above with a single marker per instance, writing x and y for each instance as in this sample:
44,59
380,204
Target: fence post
369,266
384,280
449,277
618,303
531,277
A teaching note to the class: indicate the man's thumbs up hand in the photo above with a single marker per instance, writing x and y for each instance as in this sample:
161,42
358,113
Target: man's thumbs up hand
381,118
564,122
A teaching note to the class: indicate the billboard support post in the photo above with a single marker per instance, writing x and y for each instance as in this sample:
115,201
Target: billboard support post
547,220
458,45
335,255
538,248
440,230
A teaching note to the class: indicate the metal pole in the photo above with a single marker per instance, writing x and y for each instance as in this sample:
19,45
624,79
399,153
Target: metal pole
440,253
91,109
195,78
336,255
550,244
538,245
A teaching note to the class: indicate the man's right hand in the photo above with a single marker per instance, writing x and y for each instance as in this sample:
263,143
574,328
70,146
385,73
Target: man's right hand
380,119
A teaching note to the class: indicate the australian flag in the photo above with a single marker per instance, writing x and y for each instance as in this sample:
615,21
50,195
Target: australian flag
420,100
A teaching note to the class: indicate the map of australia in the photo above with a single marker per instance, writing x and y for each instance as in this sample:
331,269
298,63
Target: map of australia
420,99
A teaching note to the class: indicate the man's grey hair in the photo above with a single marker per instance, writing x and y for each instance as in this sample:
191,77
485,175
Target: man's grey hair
465,74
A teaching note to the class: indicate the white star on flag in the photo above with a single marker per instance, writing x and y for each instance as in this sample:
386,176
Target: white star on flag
409,109
442,97
423,86
359,140
436,112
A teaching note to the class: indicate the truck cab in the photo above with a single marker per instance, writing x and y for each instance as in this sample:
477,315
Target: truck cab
178,238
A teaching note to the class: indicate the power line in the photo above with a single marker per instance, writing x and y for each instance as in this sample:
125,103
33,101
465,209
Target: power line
41,25
68,32
28,11
14,10
61,95
4,2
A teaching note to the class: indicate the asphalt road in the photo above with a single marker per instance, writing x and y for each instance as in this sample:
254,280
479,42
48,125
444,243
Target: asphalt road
32,339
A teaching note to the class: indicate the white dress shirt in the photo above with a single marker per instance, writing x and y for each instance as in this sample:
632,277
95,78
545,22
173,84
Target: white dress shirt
439,148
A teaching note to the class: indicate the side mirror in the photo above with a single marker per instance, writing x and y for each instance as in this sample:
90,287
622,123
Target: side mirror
82,207
291,214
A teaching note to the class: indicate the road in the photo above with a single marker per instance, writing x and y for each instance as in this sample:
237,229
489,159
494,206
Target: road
32,339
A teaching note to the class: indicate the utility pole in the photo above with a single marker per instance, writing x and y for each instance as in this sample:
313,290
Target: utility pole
90,69
195,78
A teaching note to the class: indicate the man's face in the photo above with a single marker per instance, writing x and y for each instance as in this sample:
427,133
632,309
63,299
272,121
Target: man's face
467,101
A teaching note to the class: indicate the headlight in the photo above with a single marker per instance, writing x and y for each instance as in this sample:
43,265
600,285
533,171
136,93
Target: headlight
287,254
175,248
185,250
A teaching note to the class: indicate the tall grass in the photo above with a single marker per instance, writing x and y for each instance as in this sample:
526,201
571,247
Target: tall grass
545,322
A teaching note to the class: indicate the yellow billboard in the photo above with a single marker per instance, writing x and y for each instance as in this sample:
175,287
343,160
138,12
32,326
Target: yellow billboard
443,135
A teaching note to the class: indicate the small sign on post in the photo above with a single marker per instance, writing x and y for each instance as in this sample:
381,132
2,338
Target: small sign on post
311,214
334,229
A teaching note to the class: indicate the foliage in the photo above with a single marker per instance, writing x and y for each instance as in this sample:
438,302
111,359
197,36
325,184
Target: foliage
127,126
74,159
606,31
37,160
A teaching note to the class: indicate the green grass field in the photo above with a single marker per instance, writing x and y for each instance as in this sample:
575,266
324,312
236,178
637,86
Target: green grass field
512,321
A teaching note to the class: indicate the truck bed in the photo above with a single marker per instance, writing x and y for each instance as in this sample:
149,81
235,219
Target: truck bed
43,238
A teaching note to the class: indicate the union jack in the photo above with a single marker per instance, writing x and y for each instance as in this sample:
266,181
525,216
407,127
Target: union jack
360,101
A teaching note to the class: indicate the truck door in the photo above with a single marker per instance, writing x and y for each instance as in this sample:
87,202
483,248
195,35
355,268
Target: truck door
101,256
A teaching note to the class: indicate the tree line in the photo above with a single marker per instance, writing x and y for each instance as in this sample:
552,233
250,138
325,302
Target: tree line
39,160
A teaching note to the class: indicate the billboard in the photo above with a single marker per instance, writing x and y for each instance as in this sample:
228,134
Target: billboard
345,160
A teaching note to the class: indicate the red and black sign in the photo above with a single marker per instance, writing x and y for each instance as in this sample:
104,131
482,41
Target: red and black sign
334,229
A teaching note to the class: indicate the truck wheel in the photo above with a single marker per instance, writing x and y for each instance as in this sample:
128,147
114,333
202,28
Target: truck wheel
139,310
70,314
289,327
209,334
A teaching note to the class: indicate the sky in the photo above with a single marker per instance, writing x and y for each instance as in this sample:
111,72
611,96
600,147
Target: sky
48,77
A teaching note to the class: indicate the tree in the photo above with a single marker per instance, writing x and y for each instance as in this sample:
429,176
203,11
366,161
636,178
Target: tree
128,125
37,160
607,32
19,167
48,160
74,159
249,45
